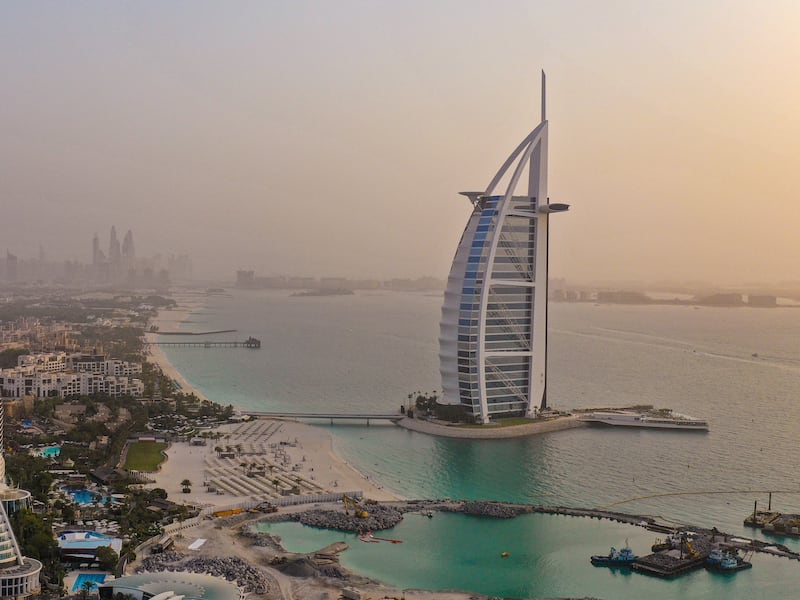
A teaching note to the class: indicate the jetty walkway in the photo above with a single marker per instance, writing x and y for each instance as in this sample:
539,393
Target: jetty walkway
328,416
248,343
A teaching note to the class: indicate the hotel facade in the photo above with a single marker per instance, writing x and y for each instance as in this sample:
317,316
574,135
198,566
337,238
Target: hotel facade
493,330
43,375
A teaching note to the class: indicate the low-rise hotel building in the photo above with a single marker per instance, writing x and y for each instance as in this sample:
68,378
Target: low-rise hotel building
70,374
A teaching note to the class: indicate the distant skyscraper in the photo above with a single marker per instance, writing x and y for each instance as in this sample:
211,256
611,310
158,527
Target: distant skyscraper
96,252
114,253
11,267
128,250
493,338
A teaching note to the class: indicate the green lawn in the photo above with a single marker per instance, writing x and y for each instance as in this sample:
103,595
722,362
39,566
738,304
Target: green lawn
145,456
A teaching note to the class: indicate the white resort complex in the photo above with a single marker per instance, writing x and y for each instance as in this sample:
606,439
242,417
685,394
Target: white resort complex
19,575
493,337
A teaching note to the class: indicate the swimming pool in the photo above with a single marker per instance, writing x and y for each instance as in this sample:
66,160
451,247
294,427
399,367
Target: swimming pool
84,496
95,578
50,451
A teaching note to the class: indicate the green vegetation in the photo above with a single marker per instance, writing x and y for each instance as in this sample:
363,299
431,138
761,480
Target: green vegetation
8,358
121,342
145,456
36,540
29,473
107,557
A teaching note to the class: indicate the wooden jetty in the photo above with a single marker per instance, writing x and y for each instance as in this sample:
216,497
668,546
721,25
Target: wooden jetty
250,342
331,416
194,332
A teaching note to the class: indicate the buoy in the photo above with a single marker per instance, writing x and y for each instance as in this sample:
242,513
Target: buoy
504,554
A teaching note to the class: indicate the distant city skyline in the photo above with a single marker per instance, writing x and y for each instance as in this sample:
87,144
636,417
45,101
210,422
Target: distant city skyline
333,138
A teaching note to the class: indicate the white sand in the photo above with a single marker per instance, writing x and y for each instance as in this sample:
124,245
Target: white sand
307,453
295,454
170,320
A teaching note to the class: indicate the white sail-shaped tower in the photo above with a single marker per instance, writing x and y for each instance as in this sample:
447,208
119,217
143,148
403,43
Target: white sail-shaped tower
493,336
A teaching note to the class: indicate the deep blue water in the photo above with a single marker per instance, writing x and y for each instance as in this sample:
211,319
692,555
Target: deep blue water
737,368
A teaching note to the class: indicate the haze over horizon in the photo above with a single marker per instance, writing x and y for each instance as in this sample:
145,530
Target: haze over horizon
317,138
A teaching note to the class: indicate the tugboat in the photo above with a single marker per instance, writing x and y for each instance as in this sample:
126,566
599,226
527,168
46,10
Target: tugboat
615,558
726,561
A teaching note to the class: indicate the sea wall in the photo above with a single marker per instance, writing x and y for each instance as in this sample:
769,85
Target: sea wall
533,428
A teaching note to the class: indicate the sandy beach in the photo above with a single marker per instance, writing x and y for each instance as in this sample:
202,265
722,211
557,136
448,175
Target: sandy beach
261,459
170,320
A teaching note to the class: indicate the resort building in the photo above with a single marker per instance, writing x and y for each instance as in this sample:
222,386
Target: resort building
19,575
70,374
493,331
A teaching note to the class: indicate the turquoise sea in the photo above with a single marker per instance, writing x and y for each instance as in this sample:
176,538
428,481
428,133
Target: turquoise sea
738,368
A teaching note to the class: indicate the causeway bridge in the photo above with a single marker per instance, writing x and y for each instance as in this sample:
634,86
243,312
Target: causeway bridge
331,416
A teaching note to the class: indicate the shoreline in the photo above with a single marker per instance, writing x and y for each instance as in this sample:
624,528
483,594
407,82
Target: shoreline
320,571
155,354
311,449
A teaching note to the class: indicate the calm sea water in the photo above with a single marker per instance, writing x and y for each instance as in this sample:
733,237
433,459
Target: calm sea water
738,368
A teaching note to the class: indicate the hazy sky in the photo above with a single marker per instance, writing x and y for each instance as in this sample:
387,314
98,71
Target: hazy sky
332,137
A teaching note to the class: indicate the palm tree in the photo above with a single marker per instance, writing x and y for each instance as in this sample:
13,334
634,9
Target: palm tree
86,587
275,482
186,483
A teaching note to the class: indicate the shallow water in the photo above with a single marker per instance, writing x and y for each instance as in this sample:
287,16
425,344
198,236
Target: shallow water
369,351
548,556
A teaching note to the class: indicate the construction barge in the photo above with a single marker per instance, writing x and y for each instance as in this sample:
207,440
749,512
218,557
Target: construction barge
773,522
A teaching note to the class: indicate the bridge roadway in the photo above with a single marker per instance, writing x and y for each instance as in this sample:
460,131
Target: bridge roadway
332,416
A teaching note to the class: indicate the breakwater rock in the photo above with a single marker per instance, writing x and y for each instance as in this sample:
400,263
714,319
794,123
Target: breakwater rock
380,517
231,568
497,510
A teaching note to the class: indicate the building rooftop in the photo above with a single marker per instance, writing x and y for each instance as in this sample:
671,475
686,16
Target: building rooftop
192,586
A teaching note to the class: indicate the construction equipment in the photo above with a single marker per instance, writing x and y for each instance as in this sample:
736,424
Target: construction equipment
228,513
357,510
690,551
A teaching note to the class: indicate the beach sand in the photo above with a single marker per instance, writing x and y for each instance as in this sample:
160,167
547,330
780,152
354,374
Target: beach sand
170,320
263,451
285,450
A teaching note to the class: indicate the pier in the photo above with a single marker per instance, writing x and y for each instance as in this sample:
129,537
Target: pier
250,342
194,332
331,416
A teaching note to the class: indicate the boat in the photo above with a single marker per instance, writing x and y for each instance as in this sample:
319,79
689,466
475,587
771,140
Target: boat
614,558
625,418
368,537
726,561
